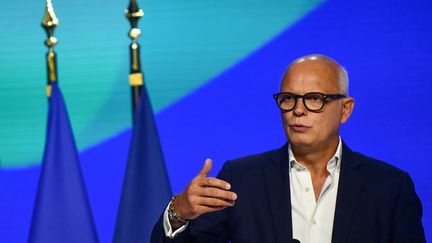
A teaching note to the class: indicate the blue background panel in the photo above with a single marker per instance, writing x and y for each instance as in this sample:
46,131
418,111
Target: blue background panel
386,47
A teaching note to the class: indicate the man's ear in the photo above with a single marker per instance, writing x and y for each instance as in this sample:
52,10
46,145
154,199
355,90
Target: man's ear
347,108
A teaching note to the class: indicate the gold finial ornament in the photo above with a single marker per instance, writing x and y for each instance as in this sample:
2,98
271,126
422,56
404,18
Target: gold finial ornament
49,23
136,77
134,33
133,14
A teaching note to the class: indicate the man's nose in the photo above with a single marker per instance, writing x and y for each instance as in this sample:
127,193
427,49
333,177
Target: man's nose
299,108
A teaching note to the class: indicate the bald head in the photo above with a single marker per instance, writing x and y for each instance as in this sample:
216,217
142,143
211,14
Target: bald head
327,69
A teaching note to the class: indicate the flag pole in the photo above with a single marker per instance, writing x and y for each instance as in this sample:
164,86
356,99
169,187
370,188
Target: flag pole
61,211
49,23
146,188
136,77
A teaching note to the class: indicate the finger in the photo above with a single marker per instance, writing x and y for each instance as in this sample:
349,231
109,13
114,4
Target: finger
220,194
214,202
206,168
207,209
232,203
214,182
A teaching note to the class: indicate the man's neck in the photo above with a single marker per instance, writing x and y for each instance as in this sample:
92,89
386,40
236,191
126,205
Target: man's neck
315,159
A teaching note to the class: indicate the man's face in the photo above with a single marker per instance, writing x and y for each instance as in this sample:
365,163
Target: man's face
307,129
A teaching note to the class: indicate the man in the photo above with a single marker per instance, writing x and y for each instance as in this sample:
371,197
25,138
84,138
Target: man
313,189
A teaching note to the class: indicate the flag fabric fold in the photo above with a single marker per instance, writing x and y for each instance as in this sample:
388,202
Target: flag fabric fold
62,211
146,188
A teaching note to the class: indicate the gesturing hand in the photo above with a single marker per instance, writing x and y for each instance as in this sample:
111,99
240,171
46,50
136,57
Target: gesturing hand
203,195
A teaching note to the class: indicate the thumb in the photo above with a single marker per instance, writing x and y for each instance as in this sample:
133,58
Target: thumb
206,168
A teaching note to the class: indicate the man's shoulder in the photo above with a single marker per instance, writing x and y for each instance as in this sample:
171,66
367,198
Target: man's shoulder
259,160
375,168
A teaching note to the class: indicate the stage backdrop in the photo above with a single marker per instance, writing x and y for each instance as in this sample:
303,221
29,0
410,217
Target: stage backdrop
211,68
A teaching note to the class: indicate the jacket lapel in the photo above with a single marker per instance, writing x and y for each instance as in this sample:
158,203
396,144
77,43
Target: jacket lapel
350,186
276,177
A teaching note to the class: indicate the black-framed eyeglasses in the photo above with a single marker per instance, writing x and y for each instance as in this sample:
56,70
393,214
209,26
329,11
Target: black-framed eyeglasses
313,101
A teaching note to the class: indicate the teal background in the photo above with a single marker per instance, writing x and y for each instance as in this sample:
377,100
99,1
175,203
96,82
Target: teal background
184,44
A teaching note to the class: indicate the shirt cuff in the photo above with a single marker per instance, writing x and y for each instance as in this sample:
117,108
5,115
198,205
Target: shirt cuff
167,226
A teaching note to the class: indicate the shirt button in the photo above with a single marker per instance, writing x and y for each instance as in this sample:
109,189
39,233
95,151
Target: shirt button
313,222
307,189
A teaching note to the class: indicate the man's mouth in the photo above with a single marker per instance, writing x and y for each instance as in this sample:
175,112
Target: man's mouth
298,128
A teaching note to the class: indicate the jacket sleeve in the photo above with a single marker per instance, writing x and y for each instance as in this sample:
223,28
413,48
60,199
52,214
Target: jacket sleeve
407,224
208,228
158,234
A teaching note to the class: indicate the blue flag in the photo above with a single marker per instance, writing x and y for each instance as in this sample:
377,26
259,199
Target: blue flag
146,189
62,211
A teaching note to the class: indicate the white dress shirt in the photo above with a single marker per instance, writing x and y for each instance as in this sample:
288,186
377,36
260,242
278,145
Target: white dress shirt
167,226
312,220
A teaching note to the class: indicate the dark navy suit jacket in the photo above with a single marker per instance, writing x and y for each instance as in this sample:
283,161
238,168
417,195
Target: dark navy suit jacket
376,202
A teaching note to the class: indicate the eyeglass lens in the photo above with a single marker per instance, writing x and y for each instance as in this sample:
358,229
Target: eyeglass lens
312,101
